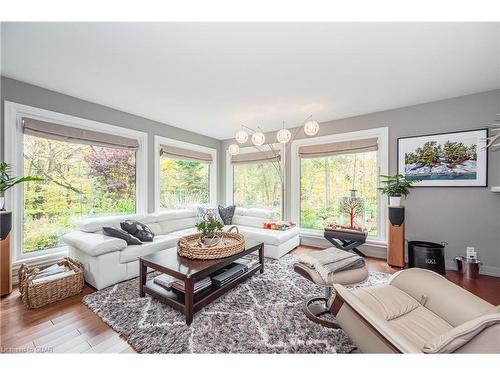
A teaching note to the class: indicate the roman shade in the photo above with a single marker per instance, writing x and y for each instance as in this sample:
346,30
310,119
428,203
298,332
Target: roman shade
256,157
338,148
185,154
66,133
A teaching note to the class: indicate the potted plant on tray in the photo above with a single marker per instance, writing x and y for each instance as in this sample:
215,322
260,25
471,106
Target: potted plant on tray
208,229
396,186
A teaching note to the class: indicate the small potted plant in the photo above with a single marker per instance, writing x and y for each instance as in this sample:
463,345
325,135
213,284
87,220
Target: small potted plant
208,229
6,181
395,187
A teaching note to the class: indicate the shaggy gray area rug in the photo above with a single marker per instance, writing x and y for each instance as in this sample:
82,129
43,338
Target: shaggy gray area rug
262,315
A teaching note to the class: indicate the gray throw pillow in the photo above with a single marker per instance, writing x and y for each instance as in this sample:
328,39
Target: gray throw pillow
120,233
226,214
138,230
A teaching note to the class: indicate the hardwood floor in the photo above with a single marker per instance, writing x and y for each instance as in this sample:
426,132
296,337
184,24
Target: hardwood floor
66,326
69,326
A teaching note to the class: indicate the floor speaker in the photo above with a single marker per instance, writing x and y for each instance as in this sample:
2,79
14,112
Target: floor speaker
5,260
396,237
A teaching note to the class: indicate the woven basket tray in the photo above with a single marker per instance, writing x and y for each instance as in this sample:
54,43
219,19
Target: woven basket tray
37,295
230,243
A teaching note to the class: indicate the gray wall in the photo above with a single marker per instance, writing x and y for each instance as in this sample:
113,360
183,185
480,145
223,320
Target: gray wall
460,216
23,93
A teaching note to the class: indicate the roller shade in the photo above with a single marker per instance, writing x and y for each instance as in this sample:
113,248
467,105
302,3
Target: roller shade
65,133
185,154
338,148
256,157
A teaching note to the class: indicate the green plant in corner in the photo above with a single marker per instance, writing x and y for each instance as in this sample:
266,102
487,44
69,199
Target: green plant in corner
396,186
6,181
209,227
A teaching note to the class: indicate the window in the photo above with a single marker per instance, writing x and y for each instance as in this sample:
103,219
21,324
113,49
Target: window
326,181
335,180
255,179
89,169
257,185
79,181
186,174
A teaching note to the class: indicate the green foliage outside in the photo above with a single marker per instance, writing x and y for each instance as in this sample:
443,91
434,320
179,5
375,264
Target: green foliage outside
451,153
257,186
183,183
78,181
324,181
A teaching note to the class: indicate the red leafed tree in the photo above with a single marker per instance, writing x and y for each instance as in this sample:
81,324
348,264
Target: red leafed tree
113,169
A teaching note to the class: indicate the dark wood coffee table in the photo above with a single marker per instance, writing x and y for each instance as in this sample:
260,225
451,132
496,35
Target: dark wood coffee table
191,271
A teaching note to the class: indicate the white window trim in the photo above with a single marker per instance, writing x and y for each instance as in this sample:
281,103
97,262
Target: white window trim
14,112
382,135
159,141
248,150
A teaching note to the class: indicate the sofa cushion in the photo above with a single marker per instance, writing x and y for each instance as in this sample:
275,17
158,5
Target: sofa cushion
268,236
260,212
460,335
184,232
95,224
94,244
169,226
162,242
248,221
175,214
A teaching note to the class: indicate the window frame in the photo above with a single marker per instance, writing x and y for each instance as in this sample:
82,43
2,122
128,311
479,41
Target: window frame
14,149
382,135
212,184
248,150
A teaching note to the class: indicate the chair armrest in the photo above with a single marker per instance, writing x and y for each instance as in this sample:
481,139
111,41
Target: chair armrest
444,298
94,244
397,340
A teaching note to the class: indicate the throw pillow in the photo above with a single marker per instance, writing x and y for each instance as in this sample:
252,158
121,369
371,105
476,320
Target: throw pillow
205,213
226,214
120,233
138,230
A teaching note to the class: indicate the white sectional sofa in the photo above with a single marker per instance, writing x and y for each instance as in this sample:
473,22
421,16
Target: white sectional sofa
108,260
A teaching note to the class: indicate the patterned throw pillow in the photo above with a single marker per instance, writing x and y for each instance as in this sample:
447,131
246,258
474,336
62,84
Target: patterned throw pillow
120,233
227,214
137,229
205,213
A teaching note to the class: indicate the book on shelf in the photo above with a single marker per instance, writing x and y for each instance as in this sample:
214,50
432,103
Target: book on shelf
170,282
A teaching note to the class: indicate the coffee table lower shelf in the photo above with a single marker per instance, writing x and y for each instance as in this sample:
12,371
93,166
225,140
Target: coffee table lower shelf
176,299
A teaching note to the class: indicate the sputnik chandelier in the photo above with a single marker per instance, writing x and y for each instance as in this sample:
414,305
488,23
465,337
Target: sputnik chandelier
283,136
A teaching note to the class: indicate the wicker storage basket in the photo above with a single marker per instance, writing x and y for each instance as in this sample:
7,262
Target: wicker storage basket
37,295
230,243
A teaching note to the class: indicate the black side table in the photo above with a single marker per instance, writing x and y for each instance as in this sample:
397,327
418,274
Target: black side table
346,240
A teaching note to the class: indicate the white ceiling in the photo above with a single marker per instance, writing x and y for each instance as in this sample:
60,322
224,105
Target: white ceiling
212,77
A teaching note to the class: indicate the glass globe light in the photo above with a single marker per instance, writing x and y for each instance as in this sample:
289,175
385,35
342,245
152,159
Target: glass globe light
311,127
283,136
258,139
233,149
241,136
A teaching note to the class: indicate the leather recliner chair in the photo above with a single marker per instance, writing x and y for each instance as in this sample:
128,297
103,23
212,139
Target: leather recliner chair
418,311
